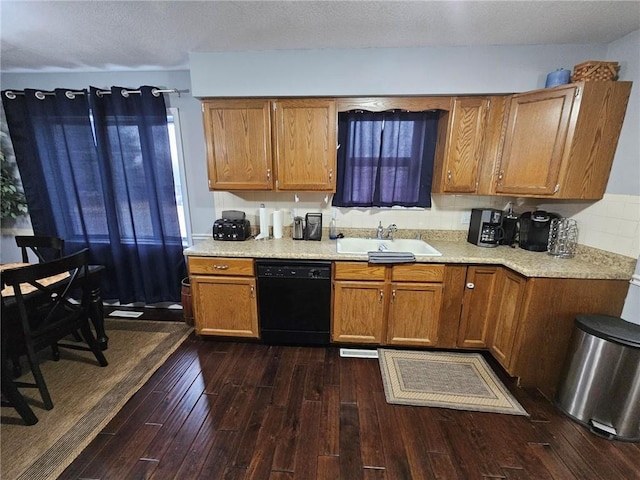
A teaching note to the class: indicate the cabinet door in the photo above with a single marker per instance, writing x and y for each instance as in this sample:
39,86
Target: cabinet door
414,314
305,136
479,296
512,288
464,145
535,141
238,138
225,306
358,312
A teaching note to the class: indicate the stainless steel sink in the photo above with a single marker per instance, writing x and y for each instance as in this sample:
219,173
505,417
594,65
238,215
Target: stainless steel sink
364,245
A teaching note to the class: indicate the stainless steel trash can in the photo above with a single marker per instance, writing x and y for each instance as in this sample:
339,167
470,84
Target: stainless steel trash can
600,384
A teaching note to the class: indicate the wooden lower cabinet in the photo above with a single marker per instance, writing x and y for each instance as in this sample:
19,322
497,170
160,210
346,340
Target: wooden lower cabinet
369,307
414,314
358,312
507,310
223,292
478,304
546,320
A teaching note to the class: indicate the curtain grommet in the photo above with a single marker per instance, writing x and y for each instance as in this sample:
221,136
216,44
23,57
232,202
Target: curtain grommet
39,95
124,93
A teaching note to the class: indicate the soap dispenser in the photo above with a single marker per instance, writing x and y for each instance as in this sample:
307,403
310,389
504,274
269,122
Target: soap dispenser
333,227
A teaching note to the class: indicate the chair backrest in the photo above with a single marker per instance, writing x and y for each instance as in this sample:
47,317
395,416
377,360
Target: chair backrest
44,295
45,248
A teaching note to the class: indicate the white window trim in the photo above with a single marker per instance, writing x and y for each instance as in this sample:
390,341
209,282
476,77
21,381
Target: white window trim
174,112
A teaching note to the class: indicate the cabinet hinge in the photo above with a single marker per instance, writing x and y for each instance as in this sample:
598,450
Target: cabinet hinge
577,94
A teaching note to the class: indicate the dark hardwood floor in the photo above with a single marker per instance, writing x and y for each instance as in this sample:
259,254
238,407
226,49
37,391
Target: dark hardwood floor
245,410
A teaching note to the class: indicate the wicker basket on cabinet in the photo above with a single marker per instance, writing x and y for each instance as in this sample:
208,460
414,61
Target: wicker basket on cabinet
593,71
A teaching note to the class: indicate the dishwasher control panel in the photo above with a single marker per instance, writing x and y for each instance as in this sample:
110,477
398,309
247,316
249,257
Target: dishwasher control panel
295,271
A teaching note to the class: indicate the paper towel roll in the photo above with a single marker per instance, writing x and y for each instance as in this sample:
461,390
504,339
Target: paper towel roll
264,223
278,220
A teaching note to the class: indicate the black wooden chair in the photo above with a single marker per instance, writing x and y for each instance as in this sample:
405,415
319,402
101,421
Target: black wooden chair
45,248
47,314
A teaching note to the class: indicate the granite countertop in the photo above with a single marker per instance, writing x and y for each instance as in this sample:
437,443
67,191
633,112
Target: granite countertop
454,249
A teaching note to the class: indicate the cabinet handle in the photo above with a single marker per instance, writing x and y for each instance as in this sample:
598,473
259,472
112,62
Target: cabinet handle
471,285
393,295
252,292
330,175
268,174
381,296
448,176
221,267
500,175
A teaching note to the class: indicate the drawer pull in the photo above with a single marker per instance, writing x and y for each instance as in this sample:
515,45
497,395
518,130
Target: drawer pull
471,285
221,267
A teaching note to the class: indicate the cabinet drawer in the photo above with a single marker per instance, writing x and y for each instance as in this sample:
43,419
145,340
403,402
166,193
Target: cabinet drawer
417,273
221,266
358,271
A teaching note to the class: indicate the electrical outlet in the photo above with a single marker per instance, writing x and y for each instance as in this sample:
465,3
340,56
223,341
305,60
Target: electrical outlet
465,218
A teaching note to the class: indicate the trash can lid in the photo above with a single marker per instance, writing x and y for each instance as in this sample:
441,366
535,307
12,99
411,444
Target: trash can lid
610,328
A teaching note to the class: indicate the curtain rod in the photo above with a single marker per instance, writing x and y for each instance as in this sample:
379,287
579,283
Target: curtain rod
11,94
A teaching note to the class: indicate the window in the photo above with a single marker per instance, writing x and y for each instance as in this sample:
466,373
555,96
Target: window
177,160
385,159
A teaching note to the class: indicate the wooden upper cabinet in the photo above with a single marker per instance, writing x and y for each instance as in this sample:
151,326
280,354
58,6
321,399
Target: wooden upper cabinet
535,139
560,142
305,137
463,148
262,144
238,138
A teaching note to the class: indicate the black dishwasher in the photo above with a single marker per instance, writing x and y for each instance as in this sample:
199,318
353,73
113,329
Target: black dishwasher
294,301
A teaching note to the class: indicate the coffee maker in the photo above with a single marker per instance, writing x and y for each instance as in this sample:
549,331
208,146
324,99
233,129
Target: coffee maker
485,227
533,230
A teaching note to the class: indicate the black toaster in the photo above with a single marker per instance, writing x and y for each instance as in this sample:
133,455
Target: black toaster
233,226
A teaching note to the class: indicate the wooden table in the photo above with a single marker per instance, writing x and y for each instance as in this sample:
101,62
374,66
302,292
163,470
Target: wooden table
96,310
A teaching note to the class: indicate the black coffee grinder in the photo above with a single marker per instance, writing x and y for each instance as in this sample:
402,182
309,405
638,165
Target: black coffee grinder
509,227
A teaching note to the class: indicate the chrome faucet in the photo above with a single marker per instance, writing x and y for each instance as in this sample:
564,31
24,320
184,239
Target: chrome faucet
380,231
391,229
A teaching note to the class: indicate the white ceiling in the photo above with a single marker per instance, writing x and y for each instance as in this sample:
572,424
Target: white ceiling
150,35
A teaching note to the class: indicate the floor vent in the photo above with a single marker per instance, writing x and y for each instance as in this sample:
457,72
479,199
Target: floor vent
358,353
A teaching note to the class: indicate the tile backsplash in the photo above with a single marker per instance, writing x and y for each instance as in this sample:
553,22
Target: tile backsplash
611,224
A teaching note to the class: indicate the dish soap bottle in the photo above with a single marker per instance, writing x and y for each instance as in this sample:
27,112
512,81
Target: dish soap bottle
333,228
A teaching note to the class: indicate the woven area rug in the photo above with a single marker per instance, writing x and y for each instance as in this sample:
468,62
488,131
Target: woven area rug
85,397
461,381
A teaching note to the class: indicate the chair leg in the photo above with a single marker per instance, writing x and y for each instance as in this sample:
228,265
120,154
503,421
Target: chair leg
39,379
17,368
15,398
93,344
